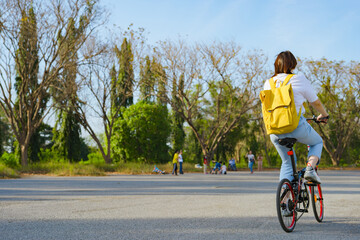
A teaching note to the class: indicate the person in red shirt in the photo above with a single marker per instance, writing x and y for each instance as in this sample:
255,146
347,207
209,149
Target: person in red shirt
205,165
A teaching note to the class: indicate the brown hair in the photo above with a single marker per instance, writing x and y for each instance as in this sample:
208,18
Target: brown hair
284,63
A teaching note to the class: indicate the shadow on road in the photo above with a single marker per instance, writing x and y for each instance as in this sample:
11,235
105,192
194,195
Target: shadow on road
179,228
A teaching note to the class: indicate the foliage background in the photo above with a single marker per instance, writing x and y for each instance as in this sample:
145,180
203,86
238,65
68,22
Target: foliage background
134,105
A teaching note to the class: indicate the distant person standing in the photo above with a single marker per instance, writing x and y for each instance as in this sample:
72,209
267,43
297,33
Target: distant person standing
251,160
175,161
180,163
260,162
205,165
223,168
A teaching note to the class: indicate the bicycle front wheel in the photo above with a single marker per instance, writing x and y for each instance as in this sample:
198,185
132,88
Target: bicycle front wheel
317,202
285,205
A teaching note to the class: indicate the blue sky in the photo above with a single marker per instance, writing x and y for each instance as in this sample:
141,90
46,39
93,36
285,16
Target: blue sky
308,28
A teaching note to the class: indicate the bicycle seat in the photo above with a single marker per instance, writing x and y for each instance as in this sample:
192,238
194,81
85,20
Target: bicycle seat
287,142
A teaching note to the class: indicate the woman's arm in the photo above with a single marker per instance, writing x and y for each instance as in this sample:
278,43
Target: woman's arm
320,108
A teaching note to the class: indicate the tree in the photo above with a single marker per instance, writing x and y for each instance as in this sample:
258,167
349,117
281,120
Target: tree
66,136
339,92
109,84
25,111
28,53
219,82
142,133
124,85
67,130
178,133
161,82
25,55
100,99
147,82
192,147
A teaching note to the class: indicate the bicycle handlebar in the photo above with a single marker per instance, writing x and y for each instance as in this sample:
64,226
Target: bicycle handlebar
314,118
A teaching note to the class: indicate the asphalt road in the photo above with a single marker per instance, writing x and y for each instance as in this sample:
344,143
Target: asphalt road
192,206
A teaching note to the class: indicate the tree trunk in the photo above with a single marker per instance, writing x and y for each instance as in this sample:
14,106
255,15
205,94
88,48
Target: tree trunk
108,155
107,159
208,158
335,159
267,156
24,154
86,125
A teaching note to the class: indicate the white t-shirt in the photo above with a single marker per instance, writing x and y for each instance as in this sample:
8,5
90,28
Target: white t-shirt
180,158
223,168
301,87
251,156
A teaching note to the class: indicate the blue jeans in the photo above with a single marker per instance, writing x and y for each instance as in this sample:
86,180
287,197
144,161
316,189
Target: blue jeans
304,133
174,169
180,170
251,164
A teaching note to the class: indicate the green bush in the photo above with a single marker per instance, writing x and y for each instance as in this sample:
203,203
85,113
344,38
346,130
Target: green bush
10,160
95,158
48,155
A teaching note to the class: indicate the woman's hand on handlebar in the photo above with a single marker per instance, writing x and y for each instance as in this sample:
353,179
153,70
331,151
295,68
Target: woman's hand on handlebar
319,119
322,118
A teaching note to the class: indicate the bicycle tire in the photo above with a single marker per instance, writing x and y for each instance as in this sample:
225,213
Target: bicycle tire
317,202
286,209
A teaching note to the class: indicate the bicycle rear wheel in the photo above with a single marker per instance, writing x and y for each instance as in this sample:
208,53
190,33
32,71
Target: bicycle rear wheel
317,202
285,205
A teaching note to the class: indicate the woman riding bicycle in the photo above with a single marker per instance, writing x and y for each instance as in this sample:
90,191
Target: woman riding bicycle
284,64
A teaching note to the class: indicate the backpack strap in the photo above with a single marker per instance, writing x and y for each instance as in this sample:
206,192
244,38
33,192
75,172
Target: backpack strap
287,79
272,83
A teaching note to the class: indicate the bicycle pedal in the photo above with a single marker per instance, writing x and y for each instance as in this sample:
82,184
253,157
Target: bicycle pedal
311,184
302,210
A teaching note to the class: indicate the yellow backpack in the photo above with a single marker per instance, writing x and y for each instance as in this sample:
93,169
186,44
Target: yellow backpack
278,108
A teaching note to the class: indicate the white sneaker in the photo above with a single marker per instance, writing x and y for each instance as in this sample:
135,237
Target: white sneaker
311,175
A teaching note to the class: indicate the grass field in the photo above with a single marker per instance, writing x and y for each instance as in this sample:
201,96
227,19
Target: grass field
87,169
103,169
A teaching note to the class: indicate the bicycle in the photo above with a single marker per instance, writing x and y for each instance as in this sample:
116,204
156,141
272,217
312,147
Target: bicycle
292,198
